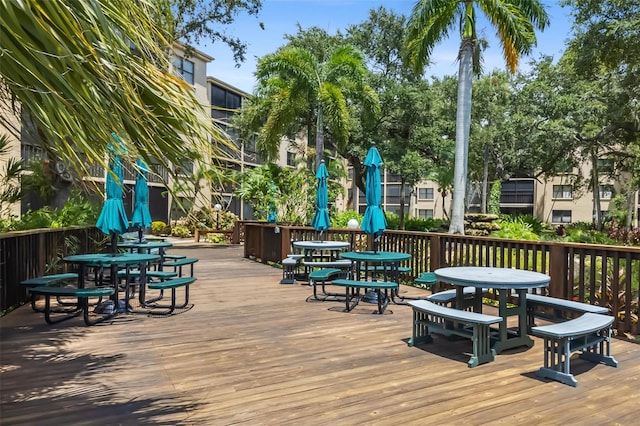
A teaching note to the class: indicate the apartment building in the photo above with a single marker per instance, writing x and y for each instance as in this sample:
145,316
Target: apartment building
553,200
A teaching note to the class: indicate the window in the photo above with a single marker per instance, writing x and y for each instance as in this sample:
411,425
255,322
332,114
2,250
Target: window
561,216
562,191
563,166
224,103
605,165
606,192
393,190
291,158
517,192
185,68
185,168
425,193
425,213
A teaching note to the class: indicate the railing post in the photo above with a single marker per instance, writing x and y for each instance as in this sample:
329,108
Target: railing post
235,237
558,270
285,233
434,252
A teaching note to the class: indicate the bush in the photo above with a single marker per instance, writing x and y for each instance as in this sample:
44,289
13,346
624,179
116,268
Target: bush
180,231
516,228
424,225
209,218
76,212
341,219
393,220
158,227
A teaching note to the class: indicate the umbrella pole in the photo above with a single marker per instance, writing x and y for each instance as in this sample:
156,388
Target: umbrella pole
114,244
139,235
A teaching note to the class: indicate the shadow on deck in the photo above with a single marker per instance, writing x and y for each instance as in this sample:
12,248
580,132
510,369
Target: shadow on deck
254,351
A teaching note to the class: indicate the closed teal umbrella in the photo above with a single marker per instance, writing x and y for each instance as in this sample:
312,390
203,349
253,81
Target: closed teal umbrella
321,221
272,214
113,219
374,222
141,217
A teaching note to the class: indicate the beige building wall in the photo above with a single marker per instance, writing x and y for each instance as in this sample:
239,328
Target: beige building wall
202,94
10,127
559,202
427,202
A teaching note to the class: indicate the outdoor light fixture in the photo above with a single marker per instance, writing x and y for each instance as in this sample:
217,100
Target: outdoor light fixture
217,208
352,224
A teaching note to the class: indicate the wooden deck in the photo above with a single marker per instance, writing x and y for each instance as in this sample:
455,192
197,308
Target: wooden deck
253,351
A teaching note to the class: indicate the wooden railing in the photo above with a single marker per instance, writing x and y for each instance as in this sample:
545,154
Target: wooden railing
597,274
27,254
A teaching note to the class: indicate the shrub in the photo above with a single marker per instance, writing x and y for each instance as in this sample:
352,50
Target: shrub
180,231
158,227
341,219
209,218
515,228
424,225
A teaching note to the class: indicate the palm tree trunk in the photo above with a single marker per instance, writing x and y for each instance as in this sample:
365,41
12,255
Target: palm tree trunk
319,138
485,180
463,123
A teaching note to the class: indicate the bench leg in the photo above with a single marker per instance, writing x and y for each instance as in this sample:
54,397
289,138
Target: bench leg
174,305
600,352
352,298
420,329
64,315
383,302
557,355
482,351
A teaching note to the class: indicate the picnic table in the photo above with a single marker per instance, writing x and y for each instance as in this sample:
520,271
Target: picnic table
505,281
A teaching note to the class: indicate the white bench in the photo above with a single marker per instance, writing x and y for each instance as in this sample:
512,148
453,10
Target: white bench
290,268
589,333
429,317
446,297
560,308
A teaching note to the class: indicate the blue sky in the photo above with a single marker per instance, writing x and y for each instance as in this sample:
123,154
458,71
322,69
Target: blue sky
281,16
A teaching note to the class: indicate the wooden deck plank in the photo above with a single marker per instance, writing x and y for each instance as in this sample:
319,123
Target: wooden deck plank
252,351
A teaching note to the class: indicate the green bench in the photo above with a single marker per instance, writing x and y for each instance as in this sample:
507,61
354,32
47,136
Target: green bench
178,264
352,292
172,284
427,280
323,275
47,280
589,333
82,294
429,317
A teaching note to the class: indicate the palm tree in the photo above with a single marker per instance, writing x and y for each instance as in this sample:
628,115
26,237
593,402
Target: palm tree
432,21
296,88
85,69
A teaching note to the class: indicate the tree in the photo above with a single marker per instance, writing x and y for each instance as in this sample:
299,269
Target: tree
296,207
293,84
71,65
432,21
196,20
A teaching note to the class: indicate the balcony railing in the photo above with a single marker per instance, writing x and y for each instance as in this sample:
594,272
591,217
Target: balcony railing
597,274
